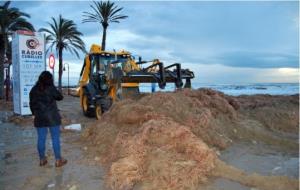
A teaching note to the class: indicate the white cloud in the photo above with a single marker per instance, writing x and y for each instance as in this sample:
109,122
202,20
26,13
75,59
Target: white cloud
221,74
142,45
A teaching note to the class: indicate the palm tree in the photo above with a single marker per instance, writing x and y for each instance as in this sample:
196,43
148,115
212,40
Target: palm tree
11,19
63,34
104,13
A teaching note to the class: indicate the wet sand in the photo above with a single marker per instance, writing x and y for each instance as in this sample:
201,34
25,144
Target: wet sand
19,160
257,158
19,167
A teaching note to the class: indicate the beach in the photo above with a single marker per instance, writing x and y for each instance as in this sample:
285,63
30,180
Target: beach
188,139
158,95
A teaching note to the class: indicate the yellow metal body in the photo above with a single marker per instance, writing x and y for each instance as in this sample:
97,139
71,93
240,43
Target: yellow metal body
130,65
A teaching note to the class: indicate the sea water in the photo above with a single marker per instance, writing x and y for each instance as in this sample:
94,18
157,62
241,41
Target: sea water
237,89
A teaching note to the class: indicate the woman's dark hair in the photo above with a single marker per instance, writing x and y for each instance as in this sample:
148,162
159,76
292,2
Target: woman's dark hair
45,80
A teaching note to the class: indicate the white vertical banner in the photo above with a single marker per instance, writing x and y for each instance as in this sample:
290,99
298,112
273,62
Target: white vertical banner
28,58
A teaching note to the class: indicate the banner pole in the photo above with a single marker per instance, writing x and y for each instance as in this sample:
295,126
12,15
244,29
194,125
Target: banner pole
45,52
53,76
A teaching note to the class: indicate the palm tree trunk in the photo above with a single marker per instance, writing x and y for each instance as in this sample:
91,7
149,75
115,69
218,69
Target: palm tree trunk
2,56
60,60
104,38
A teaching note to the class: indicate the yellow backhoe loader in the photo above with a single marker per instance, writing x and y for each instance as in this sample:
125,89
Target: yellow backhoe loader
106,75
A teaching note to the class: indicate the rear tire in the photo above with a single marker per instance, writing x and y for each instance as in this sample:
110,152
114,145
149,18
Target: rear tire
102,106
106,104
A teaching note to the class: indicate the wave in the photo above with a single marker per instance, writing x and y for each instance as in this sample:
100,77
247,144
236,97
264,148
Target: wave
235,90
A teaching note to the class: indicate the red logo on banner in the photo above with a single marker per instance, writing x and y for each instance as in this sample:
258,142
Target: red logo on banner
51,61
25,32
32,43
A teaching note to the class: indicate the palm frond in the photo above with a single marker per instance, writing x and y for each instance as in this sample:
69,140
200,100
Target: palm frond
103,12
115,10
5,5
63,33
12,19
20,24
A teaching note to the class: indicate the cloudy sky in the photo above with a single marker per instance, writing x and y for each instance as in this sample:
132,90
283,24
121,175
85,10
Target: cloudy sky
222,42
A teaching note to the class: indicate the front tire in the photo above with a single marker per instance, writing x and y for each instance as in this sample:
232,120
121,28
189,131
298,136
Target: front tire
98,112
87,111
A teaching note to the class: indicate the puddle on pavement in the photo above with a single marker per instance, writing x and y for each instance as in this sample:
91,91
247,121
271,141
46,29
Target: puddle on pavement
262,159
224,184
255,158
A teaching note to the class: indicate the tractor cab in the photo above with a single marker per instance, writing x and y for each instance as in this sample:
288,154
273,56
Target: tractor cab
100,64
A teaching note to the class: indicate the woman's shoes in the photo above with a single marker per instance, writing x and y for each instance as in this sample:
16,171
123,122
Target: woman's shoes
43,162
58,163
61,162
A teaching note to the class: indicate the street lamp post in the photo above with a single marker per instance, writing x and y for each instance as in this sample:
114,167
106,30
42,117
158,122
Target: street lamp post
68,76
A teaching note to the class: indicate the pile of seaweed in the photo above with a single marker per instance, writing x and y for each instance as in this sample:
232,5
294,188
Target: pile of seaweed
170,140
161,139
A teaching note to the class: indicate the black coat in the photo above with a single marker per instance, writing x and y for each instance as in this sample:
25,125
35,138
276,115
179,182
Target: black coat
43,106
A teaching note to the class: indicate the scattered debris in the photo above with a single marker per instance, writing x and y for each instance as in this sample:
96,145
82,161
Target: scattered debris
76,127
73,187
51,185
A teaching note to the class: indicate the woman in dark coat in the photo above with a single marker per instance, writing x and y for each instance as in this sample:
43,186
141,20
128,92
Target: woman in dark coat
43,97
